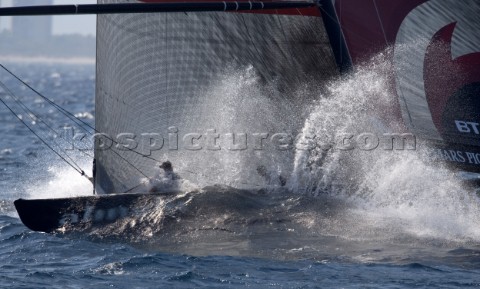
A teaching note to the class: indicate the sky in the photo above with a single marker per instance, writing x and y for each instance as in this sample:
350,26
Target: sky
82,24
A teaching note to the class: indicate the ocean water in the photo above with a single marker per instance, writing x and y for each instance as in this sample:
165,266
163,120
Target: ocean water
348,220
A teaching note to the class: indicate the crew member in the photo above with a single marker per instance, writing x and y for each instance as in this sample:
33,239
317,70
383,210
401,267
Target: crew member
165,178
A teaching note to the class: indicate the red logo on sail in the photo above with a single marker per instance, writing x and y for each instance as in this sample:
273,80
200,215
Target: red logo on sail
452,86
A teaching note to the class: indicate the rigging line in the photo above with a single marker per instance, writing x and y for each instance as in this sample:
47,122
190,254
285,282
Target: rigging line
34,117
68,115
79,170
75,119
337,21
133,188
381,22
132,165
61,109
28,111
84,151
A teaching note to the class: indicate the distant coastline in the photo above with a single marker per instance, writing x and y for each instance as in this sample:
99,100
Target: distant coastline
47,59
74,48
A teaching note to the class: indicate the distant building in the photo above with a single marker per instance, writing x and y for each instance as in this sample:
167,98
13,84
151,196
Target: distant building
32,28
32,36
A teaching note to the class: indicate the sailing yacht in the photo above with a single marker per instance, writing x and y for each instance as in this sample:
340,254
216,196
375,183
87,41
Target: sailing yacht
213,87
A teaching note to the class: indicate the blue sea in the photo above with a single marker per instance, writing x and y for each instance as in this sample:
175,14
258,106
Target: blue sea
413,228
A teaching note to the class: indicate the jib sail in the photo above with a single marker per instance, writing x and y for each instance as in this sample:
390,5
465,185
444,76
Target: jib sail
214,93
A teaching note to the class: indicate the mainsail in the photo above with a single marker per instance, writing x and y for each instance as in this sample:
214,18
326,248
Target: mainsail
172,81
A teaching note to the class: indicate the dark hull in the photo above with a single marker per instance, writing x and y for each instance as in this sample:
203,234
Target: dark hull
51,215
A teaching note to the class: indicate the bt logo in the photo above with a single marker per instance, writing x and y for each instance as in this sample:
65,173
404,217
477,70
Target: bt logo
468,126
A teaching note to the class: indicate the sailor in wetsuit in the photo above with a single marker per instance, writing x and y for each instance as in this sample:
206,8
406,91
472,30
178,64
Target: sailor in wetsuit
168,171
166,179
